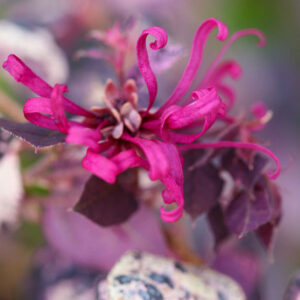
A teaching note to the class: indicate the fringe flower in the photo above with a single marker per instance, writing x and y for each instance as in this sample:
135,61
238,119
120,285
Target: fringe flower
122,135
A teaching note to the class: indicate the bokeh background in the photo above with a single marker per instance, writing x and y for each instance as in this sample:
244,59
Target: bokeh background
49,33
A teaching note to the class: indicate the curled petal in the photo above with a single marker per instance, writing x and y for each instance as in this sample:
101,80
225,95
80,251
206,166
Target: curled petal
165,164
171,216
128,159
231,68
21,73
157,159
194,62
143,59
205,102
228,93
175,137
57,106
108,168
35,111
207,105
241,145
100,166
173,183
84,136
233,38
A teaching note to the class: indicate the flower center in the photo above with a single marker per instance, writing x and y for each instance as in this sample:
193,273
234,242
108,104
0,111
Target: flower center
122,106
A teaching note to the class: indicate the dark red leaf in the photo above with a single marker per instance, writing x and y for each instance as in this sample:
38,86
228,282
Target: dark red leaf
108,204
247,211
202,186
267,231
217,225
37,136
240,171
276,202
265,234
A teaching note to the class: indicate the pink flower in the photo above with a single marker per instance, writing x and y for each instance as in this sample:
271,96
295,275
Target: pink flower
121,135
119,43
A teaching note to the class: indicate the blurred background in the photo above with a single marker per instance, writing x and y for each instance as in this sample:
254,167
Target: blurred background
48,34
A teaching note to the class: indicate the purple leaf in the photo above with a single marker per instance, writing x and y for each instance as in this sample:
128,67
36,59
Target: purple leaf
265,234
202,186
37,136
257,200
91,245
247,211
217,225
267,231
293,290
275,200
240,171
108,204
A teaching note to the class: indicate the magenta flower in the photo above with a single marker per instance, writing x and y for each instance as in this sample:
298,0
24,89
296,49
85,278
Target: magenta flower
122,135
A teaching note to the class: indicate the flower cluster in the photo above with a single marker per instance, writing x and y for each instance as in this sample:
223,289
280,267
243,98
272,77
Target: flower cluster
121,135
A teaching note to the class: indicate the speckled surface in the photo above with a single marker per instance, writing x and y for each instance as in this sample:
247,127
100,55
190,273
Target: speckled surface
142,276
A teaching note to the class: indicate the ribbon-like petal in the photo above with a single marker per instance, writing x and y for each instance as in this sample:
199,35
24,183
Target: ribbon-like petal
165,164
157,159
128,159
35,111
231,68
227,45
228,93
143,59
84,136
173,183
207,105
57,105
100,166
22,73
108,168
195,60
228,68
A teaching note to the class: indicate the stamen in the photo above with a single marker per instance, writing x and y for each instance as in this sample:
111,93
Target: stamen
131,117
118,131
